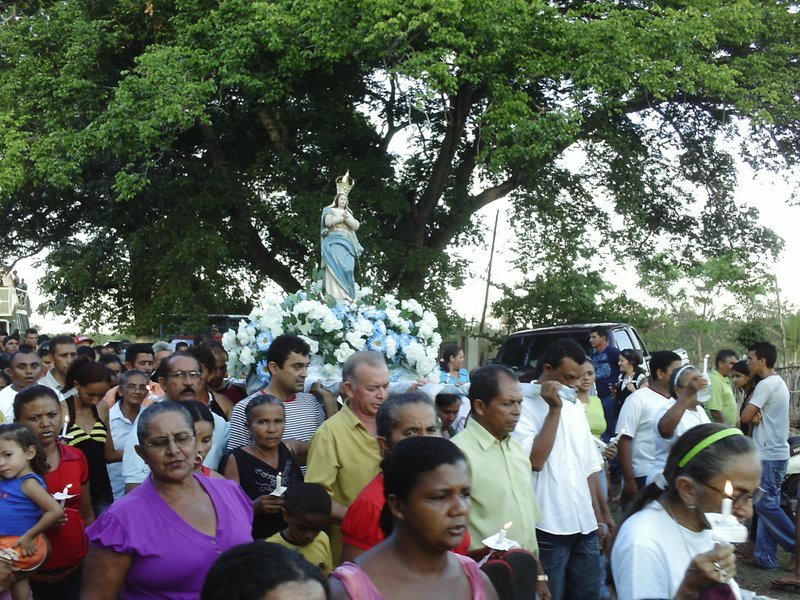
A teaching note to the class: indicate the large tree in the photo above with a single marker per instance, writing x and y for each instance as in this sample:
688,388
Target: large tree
172,157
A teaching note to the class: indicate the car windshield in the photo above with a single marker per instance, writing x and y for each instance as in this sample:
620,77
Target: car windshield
521,352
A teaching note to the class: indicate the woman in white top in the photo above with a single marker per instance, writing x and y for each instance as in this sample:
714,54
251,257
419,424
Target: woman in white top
664,547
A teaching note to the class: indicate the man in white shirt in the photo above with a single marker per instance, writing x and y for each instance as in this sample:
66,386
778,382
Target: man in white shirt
64,351
566,464
636,448
23,371
181,382
768,410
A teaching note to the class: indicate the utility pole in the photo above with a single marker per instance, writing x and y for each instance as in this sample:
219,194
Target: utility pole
489,276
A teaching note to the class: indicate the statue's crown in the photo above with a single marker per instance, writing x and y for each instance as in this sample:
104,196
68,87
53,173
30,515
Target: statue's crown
344,184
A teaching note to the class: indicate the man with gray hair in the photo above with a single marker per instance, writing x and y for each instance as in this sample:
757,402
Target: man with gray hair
344,455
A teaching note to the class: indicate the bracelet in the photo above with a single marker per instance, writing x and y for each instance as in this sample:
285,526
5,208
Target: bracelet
541,578
603,525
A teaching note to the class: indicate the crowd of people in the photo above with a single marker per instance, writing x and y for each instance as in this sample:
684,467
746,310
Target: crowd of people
149,473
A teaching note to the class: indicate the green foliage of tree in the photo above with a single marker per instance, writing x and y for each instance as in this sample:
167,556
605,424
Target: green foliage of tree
174,160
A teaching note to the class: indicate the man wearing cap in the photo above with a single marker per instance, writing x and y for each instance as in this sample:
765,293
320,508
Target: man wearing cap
83,340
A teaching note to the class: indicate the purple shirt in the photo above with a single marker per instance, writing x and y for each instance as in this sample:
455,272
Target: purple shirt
170,557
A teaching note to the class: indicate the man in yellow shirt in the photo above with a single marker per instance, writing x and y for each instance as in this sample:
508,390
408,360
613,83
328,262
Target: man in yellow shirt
344,455
721,407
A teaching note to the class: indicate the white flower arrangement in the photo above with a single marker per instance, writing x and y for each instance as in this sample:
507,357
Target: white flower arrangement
403,331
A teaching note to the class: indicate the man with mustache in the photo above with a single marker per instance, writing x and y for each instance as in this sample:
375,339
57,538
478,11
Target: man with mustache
182,382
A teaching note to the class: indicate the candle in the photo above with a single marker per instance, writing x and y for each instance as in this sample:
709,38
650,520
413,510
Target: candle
727,503
64,429
65,494
279,484
501,537
705,364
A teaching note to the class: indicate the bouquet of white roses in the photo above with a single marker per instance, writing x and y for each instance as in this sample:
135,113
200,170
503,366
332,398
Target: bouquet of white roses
402,330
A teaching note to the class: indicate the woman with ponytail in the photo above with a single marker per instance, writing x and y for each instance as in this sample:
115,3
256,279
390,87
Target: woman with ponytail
664,547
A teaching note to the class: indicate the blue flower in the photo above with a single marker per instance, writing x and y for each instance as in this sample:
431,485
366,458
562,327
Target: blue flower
263,340
262,371
377,343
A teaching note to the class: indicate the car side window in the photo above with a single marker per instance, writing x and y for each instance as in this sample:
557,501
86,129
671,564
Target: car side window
622,340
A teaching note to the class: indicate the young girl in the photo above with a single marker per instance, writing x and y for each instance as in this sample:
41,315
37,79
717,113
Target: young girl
26,508
204,431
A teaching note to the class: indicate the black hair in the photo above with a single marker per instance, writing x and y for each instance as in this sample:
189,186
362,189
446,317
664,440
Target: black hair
283,345
600,330
199,411
307,499
388,415
556,352
13,336
448,352
181,345
25,437
445,400
245,564
741,367
86,371
31,330
158,408
60,340
107,359
660,361
677,375
485,382
34,392
723,354
766,351
257,400
204,356
44,349
4,376
87,351
22,350
136,349
408,461
634,357
703,467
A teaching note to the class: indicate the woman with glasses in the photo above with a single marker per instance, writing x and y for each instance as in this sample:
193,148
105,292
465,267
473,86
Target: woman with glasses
664,547
133,388
161,539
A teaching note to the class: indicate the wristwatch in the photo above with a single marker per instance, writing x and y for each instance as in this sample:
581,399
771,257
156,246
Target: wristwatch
541,578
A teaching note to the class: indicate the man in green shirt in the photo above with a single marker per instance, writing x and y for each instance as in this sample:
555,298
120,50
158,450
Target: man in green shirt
502,486
721,408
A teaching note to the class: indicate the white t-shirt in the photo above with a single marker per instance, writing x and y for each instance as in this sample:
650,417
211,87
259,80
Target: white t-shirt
652,552
636,418
7,395
690,418
561,487
772,397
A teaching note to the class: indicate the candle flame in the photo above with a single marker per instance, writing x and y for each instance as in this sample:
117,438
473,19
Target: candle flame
706,356
728,488
507,525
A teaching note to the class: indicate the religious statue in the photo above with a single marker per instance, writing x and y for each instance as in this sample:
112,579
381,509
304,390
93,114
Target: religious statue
340,246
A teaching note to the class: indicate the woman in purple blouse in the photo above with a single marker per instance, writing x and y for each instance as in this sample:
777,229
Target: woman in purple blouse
160,540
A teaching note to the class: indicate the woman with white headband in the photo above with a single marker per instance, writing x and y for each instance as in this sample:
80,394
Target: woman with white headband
664,546
677,415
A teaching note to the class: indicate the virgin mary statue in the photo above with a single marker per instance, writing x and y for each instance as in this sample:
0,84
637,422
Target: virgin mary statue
340,246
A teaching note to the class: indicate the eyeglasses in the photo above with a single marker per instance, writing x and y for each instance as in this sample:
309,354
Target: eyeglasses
185,374
742,499
162,443
132,387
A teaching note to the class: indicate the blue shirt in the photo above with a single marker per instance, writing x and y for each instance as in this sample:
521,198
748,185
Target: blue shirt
606,369
446,378
18,513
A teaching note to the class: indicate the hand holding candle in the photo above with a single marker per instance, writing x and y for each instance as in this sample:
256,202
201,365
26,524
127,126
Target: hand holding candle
64,429
501,537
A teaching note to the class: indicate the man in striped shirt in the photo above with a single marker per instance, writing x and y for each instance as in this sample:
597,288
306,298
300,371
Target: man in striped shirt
288,358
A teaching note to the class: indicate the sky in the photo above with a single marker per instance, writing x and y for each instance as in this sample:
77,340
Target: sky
770,194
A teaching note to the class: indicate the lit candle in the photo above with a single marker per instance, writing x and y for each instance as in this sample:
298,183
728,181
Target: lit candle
705,364
727,503
64,429
501,537
65,494
279,485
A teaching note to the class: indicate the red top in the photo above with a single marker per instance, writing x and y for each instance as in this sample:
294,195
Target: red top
361,526
68,541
